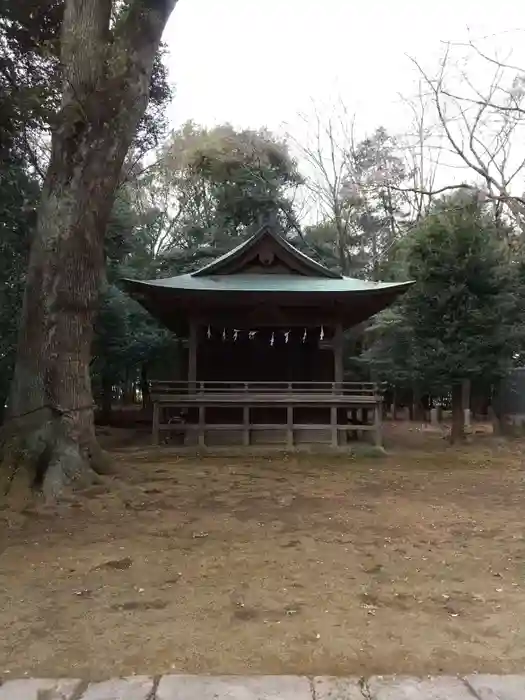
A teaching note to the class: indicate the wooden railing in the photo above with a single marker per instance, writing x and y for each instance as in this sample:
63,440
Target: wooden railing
196,389
339,397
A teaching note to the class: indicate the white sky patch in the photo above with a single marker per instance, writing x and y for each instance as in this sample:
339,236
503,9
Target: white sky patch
275,63
256,63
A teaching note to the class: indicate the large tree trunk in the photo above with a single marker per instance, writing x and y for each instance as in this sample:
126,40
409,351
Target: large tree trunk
457,432
49,440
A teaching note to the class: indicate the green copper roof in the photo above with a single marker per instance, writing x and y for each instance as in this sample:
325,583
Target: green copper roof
267,283
254,279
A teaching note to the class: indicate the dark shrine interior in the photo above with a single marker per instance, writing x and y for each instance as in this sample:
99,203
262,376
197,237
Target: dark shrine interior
265,355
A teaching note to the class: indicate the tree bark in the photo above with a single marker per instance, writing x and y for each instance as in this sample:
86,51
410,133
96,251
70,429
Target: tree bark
394,408
465,393
457,432
418,412
49,439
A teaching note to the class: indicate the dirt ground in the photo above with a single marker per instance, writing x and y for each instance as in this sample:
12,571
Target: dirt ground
413,562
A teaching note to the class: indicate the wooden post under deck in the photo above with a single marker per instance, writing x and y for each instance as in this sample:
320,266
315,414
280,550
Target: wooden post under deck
289,427
156,423
378,432
357,396
246,422
202,426
335,429
338,354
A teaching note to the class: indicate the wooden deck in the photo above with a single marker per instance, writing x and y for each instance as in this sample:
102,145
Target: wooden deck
351,408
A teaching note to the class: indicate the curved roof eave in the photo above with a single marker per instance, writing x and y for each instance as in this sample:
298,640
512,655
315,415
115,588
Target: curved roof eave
262,284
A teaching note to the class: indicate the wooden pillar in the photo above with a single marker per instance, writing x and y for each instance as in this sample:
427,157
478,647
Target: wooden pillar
202,426
378,432
192,355
334,428
156,423
246,433
338,355
289,427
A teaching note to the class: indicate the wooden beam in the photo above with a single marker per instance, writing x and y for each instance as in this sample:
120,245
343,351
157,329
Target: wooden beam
192,356
266,316
192,427
246,426
367,405
338,354
334,427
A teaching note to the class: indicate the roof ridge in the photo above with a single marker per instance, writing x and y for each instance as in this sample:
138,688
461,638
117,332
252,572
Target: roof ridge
265,230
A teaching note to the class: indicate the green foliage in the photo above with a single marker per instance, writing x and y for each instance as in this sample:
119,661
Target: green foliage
18,196
463,310
321,242
463,318
247,172
126,336
214,185
391,354
126,339
30,81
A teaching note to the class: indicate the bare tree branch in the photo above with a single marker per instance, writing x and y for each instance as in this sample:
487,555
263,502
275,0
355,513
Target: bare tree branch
492,105
480,130
460,186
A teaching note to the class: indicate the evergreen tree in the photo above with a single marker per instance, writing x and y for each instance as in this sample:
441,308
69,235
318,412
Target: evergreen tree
462,320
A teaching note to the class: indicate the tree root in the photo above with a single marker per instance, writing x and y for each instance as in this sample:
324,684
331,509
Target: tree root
99,459
67,470
47,463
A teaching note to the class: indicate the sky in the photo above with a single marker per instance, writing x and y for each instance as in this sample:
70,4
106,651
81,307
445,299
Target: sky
255,63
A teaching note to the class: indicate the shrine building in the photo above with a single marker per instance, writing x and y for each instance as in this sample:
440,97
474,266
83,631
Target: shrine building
263,362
